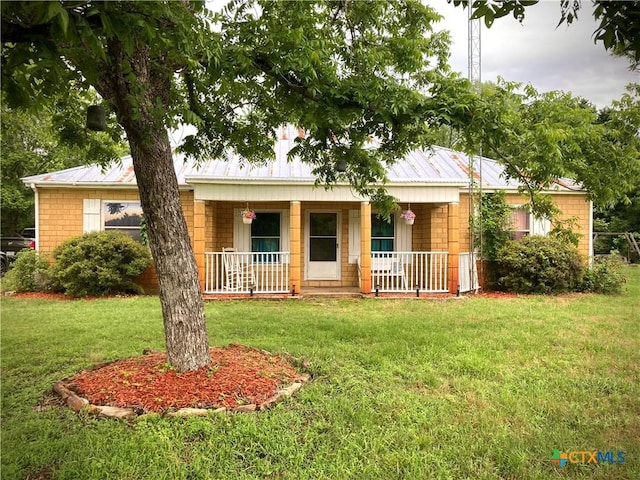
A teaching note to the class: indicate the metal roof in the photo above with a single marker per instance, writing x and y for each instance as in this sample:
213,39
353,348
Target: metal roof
435,166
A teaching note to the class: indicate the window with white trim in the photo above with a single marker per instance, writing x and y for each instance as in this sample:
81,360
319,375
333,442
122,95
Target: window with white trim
382,234
266,234
259,236
123,217
520,222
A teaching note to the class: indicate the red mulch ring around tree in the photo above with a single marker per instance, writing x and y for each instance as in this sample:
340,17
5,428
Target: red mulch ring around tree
238,375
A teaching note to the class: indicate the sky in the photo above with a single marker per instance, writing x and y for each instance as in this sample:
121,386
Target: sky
536,52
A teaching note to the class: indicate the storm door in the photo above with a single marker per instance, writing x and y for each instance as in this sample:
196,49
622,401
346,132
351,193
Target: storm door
323,246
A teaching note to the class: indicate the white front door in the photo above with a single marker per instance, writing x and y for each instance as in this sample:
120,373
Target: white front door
323,246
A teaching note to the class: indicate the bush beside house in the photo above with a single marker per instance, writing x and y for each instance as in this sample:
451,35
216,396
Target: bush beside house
100,263
537,264
96,264
604,276
29,272
553,265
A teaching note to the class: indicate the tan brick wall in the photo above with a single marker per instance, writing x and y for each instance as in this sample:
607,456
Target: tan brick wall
577,206
61,218
463,218
437,228
421,241
61,214
571,206
210,225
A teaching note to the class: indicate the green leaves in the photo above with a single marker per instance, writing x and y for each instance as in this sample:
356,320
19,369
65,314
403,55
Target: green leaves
542,138
492,10
49,139
494,226
346,73
99,263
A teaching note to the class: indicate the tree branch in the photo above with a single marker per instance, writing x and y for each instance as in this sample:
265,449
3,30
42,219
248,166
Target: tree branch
14,33
287,80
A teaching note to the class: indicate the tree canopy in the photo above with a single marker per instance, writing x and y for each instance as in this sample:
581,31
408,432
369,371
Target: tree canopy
345,72
541,138
51,137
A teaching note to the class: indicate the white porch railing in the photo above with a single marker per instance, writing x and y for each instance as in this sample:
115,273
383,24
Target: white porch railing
409,272
246,272
468,272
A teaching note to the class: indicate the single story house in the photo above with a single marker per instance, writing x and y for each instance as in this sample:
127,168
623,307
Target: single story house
303,236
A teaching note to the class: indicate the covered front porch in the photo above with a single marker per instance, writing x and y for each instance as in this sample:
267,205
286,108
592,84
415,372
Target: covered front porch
306,236
296,246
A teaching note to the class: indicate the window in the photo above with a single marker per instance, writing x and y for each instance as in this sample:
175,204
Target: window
382,235
323,236
265,234
124,217
521,223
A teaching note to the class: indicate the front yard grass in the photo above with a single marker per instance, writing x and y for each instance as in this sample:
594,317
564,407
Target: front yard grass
479,388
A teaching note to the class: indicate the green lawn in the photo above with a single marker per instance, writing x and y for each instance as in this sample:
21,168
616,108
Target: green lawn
478,388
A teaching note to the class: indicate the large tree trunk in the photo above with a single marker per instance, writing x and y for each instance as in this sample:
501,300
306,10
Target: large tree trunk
142,118
180,296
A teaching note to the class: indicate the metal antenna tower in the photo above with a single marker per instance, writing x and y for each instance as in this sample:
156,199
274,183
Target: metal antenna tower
474,60
474,72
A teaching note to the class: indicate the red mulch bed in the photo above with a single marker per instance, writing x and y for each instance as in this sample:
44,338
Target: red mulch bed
41,295
238,375
492,294
59,296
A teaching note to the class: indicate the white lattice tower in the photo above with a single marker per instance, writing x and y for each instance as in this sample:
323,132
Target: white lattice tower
474,74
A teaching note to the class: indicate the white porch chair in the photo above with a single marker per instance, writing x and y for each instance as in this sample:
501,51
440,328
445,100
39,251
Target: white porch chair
389,272
239,275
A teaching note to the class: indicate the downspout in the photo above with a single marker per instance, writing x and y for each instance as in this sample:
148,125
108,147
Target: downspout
37,214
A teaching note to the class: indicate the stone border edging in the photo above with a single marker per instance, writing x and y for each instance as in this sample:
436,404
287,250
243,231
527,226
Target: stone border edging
78,404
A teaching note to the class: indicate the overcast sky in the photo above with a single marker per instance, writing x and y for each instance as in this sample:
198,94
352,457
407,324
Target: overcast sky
536,52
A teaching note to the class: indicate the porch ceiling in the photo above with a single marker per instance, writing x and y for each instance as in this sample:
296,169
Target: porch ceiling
256,192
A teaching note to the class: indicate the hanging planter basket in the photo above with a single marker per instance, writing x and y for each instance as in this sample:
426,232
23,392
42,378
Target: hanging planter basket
408,216
248,216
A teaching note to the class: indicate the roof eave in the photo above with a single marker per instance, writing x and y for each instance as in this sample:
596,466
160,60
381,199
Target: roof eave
279,181
93,185
515,189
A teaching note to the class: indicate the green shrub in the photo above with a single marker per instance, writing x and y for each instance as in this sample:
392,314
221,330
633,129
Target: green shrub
604,276
492,229
538,264
100,263
30,272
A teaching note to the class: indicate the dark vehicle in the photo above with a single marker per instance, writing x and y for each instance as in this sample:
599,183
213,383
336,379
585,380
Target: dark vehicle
29,233
9,247
3,264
